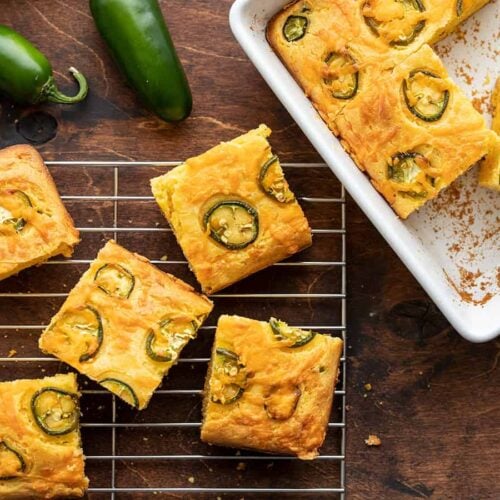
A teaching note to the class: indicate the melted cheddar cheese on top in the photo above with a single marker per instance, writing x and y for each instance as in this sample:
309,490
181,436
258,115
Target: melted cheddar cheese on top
232,210
367,68
34,224
269,387
40,447
125,324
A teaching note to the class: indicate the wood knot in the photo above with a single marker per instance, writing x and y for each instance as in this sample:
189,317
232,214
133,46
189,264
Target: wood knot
416,320
37,127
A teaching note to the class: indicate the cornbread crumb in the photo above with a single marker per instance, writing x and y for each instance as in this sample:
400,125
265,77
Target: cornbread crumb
373,440
241,466
164,258
191,479
12,353
368,387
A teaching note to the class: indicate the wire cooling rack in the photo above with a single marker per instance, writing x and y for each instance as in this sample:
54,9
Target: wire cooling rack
157,452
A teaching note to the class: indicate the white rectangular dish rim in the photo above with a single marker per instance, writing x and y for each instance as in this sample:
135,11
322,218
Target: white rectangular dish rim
430,266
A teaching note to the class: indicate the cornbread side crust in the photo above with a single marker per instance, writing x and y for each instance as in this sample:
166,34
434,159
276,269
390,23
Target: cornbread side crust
232,210
34,224
125,323
269,387
489,173
40,447
367,68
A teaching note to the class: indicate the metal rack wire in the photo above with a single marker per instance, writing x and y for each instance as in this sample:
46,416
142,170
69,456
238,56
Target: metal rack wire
114,489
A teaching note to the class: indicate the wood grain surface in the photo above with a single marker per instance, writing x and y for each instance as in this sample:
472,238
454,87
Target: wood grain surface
435,398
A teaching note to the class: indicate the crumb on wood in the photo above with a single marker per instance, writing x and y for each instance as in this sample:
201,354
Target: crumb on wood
241,466
12,353
191,479
373,440
368,387
164,258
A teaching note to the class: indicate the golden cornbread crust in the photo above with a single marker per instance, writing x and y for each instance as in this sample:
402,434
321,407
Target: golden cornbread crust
229,171
489,174
53,466
127,323
409,157
34,224
272,367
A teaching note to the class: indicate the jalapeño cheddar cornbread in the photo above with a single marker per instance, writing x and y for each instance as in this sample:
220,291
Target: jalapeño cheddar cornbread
408,133
34,225
269,387
125,323
40,448
369,72
489,175
232,210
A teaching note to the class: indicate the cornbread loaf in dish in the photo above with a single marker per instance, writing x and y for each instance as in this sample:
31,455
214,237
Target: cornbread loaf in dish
232,210
368,70
34,224
40,447
269,387
125,323
489,174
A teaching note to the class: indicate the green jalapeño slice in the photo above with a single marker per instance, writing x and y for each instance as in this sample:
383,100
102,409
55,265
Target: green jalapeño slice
425,95
121,389
281,402
172,335
55,411
228,379
341,76
232,223
19,200
402,28
292,337
272,181
406,167
12,463
115,280
83,330
295,28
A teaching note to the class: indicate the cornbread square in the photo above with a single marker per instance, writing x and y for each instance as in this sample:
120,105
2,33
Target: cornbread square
34,225
414,133
232,210
40,446
125,323
269,387
372,32
489,174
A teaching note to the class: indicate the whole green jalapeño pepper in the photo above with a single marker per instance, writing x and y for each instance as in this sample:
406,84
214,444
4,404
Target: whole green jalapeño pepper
139,41
26,74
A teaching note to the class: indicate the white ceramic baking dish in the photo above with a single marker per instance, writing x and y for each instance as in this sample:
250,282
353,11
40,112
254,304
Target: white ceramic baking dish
452,245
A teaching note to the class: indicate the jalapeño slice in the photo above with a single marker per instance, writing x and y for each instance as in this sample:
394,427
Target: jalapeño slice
83,330
272,181
232,223
342,77
400,31
6,216
55,410
282,401
295,28
404,167
115,280
173,334
424,95
122,390
12,463
228,377
293,337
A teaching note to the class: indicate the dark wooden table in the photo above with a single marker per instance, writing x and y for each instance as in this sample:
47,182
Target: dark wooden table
435,398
